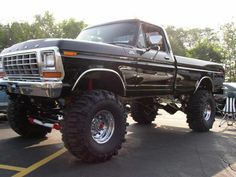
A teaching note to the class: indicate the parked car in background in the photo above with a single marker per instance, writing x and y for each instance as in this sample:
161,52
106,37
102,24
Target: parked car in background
3,105
228,88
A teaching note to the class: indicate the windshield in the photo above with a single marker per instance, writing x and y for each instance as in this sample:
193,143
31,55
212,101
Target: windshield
118,33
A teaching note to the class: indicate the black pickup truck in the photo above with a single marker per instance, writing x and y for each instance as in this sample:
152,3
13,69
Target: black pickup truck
82,86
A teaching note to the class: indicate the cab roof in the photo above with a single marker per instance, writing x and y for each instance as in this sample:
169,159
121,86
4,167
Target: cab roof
122,21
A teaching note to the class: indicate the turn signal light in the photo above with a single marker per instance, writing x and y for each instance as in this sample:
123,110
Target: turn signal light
69,53
52,74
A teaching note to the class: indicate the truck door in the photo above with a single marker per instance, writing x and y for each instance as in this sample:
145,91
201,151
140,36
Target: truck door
155,67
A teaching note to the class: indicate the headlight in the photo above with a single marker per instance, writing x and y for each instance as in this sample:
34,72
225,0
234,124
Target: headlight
49,68
49,59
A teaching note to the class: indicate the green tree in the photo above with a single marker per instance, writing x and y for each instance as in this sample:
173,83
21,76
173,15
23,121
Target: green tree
184,40
192,36
2,36
5,37
19,32
71,28
229,44
206,50
177,37
45,26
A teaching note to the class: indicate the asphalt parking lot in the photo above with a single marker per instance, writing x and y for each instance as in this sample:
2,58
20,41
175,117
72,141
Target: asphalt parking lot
165,148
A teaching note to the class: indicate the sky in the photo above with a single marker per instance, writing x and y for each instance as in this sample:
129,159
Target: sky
179,13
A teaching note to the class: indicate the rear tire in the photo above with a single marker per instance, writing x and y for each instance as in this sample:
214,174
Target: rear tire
144,111
17,114
201,111
94,126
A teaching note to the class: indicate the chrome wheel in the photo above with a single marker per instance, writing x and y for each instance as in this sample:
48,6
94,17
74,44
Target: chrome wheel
103,126
207,112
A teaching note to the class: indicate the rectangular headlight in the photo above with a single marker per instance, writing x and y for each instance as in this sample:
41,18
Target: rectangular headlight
49,59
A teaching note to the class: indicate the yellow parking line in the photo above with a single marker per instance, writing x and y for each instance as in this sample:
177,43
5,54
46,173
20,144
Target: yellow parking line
39,163
12,168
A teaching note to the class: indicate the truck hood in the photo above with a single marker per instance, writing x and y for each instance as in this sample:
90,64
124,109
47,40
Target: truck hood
67,44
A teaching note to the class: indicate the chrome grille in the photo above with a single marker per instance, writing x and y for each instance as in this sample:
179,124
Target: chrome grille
21,65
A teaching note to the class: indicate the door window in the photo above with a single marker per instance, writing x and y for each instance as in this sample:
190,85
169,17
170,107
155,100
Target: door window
149,30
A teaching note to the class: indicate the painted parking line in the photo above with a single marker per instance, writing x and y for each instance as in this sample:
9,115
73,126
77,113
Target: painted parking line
12,168
39,163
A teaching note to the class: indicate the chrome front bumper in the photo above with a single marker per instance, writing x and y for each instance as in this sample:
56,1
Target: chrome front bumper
50,89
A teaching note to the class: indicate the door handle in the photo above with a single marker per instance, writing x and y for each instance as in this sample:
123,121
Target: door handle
167,58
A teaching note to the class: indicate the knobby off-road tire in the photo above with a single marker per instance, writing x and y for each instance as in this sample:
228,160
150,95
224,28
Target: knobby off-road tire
94,126
17,114
201,111
144,111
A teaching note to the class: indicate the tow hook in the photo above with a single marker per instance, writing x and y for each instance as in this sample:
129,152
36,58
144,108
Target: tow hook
56,126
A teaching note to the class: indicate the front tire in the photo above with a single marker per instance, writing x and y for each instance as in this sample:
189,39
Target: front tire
201,111
17,114
94,126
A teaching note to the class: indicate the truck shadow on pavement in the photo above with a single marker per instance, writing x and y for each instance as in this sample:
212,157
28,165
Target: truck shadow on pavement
149,151
22,152
179,151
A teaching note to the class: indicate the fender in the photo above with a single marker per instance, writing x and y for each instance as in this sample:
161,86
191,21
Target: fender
100,70
198,83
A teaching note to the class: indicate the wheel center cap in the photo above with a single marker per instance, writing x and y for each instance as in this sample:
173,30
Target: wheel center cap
101,126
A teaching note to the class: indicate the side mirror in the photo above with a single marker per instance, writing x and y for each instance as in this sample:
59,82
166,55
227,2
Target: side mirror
155,39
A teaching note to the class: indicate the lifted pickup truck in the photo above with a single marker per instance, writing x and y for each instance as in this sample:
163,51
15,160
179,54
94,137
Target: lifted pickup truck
82,86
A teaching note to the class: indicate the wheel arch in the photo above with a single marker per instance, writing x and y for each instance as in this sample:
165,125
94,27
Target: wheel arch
205,83
101,78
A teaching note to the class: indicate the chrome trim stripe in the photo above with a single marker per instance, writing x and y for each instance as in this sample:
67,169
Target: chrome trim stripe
199,82
200,70
152,90
161,65
98,69
127,60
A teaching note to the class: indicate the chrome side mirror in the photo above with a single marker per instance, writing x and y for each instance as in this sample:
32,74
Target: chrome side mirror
155,39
